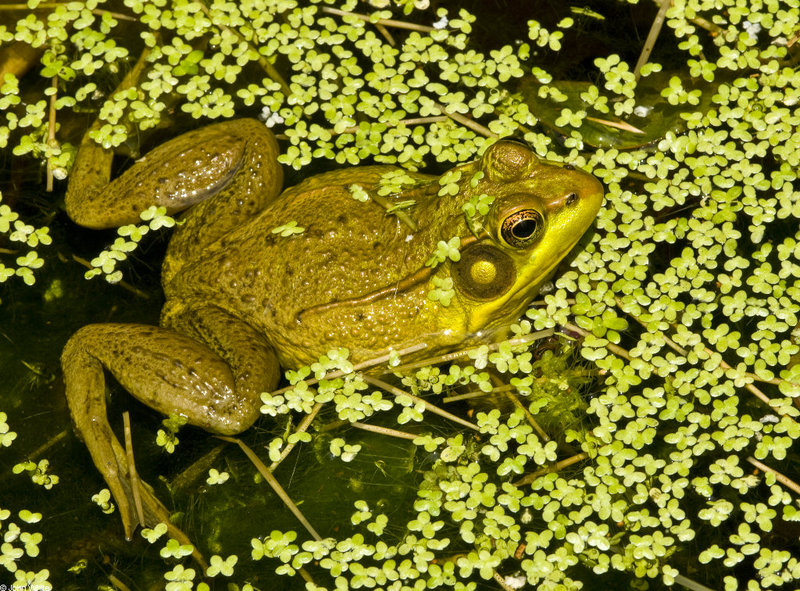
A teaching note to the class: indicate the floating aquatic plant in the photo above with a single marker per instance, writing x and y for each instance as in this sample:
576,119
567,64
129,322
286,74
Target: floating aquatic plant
679,462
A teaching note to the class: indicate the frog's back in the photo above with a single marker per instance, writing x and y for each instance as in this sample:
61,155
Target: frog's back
347,250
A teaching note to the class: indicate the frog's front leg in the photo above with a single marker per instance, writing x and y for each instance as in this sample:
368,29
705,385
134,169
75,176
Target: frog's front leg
213,375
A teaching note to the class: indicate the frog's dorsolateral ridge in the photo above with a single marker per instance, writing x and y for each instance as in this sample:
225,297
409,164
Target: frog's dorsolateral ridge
243,301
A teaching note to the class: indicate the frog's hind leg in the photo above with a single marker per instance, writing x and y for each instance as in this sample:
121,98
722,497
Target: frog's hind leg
228,171
232,164
213,376
254,179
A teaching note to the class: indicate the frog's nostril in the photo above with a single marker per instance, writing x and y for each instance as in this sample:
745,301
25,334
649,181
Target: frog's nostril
571,198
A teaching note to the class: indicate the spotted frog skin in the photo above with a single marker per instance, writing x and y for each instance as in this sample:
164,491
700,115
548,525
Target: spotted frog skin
242,300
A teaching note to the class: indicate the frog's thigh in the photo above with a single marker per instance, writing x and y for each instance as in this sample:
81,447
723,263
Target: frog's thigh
246,352
224,161
174,374
170,372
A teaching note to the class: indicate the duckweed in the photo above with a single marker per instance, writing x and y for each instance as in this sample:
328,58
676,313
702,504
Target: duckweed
677,393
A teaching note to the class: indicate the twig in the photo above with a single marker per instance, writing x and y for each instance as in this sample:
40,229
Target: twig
531,419
527,479
524,340
428,406
690,584
51,132
358,367
616,349
117,583
301,428
784,480
384,431
386,22
650,42
623,125
406,122
306,576
467,122
122,284
501,581
753,390
45,5
706,24
476,394
273,482
47,445
132,474
386,34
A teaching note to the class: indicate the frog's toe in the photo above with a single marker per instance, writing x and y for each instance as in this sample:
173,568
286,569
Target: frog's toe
138,504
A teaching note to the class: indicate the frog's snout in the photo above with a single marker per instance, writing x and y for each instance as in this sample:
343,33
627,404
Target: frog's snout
576,191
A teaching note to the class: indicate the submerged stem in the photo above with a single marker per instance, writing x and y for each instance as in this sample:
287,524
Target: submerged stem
273,482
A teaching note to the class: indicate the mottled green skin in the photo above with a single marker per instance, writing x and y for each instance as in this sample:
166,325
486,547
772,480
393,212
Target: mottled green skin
353,249
243,301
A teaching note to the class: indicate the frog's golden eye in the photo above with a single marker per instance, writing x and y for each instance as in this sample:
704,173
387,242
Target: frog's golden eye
484,272
521,227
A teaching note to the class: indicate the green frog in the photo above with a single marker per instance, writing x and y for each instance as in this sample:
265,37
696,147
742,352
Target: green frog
257,279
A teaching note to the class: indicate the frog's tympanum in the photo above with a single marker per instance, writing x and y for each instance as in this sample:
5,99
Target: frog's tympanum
243,301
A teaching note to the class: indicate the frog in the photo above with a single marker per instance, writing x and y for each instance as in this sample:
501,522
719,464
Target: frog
257,278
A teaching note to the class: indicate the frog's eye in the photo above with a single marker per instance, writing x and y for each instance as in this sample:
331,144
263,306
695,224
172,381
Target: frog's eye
521,227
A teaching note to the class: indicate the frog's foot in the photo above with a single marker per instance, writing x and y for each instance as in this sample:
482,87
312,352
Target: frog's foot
115,466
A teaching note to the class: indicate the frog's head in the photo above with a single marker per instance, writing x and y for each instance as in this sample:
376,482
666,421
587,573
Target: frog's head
540,209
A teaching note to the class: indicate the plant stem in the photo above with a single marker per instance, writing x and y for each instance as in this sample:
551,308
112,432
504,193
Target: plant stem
381,21
785,480
132,473
51,132
650,42
358,367
301,428
527,479
447,357
384,431
273,482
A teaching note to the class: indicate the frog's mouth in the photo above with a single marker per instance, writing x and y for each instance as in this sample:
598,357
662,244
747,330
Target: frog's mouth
485,273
